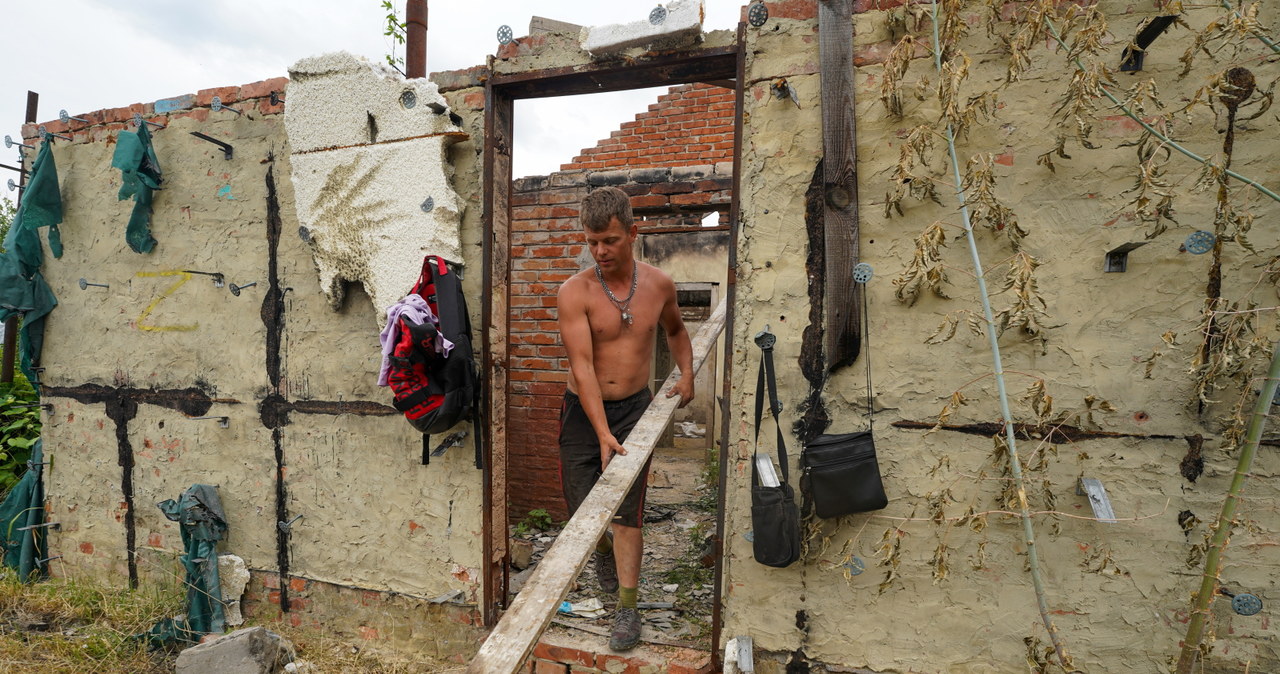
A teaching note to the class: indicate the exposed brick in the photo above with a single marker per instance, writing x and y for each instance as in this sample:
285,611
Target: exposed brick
544,667
86,548
474,100
453,80
563,654
652,201
673,188
263,88
607,178
229,95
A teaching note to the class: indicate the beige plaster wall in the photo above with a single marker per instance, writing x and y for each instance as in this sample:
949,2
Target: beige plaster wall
372,516
1129,617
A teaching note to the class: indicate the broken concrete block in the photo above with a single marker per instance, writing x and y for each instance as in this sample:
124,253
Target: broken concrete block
371,180
255,650
521,554
681,27
233,576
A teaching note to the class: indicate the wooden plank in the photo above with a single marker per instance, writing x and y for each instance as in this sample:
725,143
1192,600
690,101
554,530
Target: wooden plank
510,643
540,24
840,181
499,125
699,65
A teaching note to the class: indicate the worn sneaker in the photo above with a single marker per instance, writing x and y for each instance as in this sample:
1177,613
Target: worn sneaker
626,630
606,572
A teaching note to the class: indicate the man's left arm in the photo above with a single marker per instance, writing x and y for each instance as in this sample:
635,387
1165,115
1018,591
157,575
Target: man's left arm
679,343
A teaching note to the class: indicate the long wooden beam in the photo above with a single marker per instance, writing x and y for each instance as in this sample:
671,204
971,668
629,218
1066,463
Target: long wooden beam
840,181
511,641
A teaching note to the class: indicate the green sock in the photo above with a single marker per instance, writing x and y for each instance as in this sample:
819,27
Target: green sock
627,597
605,546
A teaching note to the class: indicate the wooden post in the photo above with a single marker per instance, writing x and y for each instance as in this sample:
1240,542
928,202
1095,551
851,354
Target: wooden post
840,181
499,113
510,643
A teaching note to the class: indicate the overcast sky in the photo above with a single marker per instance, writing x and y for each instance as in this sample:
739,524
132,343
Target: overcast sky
84,55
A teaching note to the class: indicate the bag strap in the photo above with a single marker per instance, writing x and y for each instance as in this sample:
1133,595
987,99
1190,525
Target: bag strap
766,341
866,350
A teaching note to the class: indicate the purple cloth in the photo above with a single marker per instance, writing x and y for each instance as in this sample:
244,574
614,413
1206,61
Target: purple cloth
418,311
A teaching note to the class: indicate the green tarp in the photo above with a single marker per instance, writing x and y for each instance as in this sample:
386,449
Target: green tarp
23,289
24,548
139,177
199,513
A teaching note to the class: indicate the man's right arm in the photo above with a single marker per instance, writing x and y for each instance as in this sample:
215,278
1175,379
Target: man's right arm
575,332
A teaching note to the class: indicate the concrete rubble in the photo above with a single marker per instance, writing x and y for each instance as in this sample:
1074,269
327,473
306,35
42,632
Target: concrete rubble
254,650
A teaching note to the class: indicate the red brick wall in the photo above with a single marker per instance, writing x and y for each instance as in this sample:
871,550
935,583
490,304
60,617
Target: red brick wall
546,240
675,162
690,124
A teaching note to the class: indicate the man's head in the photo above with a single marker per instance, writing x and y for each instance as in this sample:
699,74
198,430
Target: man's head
610,227
603,204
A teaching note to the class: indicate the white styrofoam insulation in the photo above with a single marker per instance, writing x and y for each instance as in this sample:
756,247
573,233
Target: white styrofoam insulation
683,24
364,165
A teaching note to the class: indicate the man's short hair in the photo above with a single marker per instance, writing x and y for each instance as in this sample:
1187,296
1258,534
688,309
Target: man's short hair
604,204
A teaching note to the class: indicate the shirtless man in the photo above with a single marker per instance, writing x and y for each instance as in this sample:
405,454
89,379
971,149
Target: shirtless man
609,317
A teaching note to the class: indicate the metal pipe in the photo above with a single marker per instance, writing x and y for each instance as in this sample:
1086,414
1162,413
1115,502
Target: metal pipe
415,57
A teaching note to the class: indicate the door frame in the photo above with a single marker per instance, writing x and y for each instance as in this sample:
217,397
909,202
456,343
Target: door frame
723,66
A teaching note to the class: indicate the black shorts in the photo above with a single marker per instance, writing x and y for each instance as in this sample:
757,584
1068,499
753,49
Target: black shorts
580,452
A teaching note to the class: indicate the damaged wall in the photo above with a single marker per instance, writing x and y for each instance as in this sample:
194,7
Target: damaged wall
308,432
1119,592
374,517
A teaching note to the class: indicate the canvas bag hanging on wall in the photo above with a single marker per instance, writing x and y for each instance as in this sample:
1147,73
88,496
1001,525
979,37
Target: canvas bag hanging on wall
775,519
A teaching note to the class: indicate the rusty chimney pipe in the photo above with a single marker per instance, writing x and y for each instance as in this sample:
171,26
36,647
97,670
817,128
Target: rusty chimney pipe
415,59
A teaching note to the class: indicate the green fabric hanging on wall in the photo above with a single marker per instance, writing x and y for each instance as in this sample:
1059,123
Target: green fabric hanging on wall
140,176
23,289
198,511
24,551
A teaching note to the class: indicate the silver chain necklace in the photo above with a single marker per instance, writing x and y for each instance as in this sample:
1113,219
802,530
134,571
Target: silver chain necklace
623,305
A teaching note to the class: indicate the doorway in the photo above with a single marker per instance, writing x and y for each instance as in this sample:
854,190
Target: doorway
520,304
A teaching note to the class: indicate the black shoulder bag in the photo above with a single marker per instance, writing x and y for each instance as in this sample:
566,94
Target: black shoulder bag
775,520
841,474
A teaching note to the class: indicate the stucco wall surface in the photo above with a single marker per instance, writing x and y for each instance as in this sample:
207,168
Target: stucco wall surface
294,378
373,187
1118,592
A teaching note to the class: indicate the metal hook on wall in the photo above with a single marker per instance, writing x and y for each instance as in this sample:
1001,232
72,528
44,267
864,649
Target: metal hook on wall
10,142
217,106
226,147
218,278
277,98
223,422
15,186
139,121
235,289
67,119
46,134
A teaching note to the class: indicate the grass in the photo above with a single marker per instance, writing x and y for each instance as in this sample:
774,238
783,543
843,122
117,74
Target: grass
70,625
66,625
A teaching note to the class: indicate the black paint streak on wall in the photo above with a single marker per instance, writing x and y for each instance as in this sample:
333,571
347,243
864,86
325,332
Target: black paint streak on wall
121,407
274,409
813,412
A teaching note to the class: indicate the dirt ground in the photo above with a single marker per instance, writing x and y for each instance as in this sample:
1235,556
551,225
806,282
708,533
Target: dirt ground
676,574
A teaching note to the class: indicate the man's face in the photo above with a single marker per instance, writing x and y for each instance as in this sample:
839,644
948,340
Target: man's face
612,247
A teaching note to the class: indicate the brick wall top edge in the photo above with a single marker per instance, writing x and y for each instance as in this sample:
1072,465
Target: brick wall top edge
165,107
464,78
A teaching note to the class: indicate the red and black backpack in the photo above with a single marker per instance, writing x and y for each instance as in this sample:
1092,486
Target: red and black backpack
435,391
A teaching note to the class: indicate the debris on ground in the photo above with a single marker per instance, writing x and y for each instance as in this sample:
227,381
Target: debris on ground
254,650
676,589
